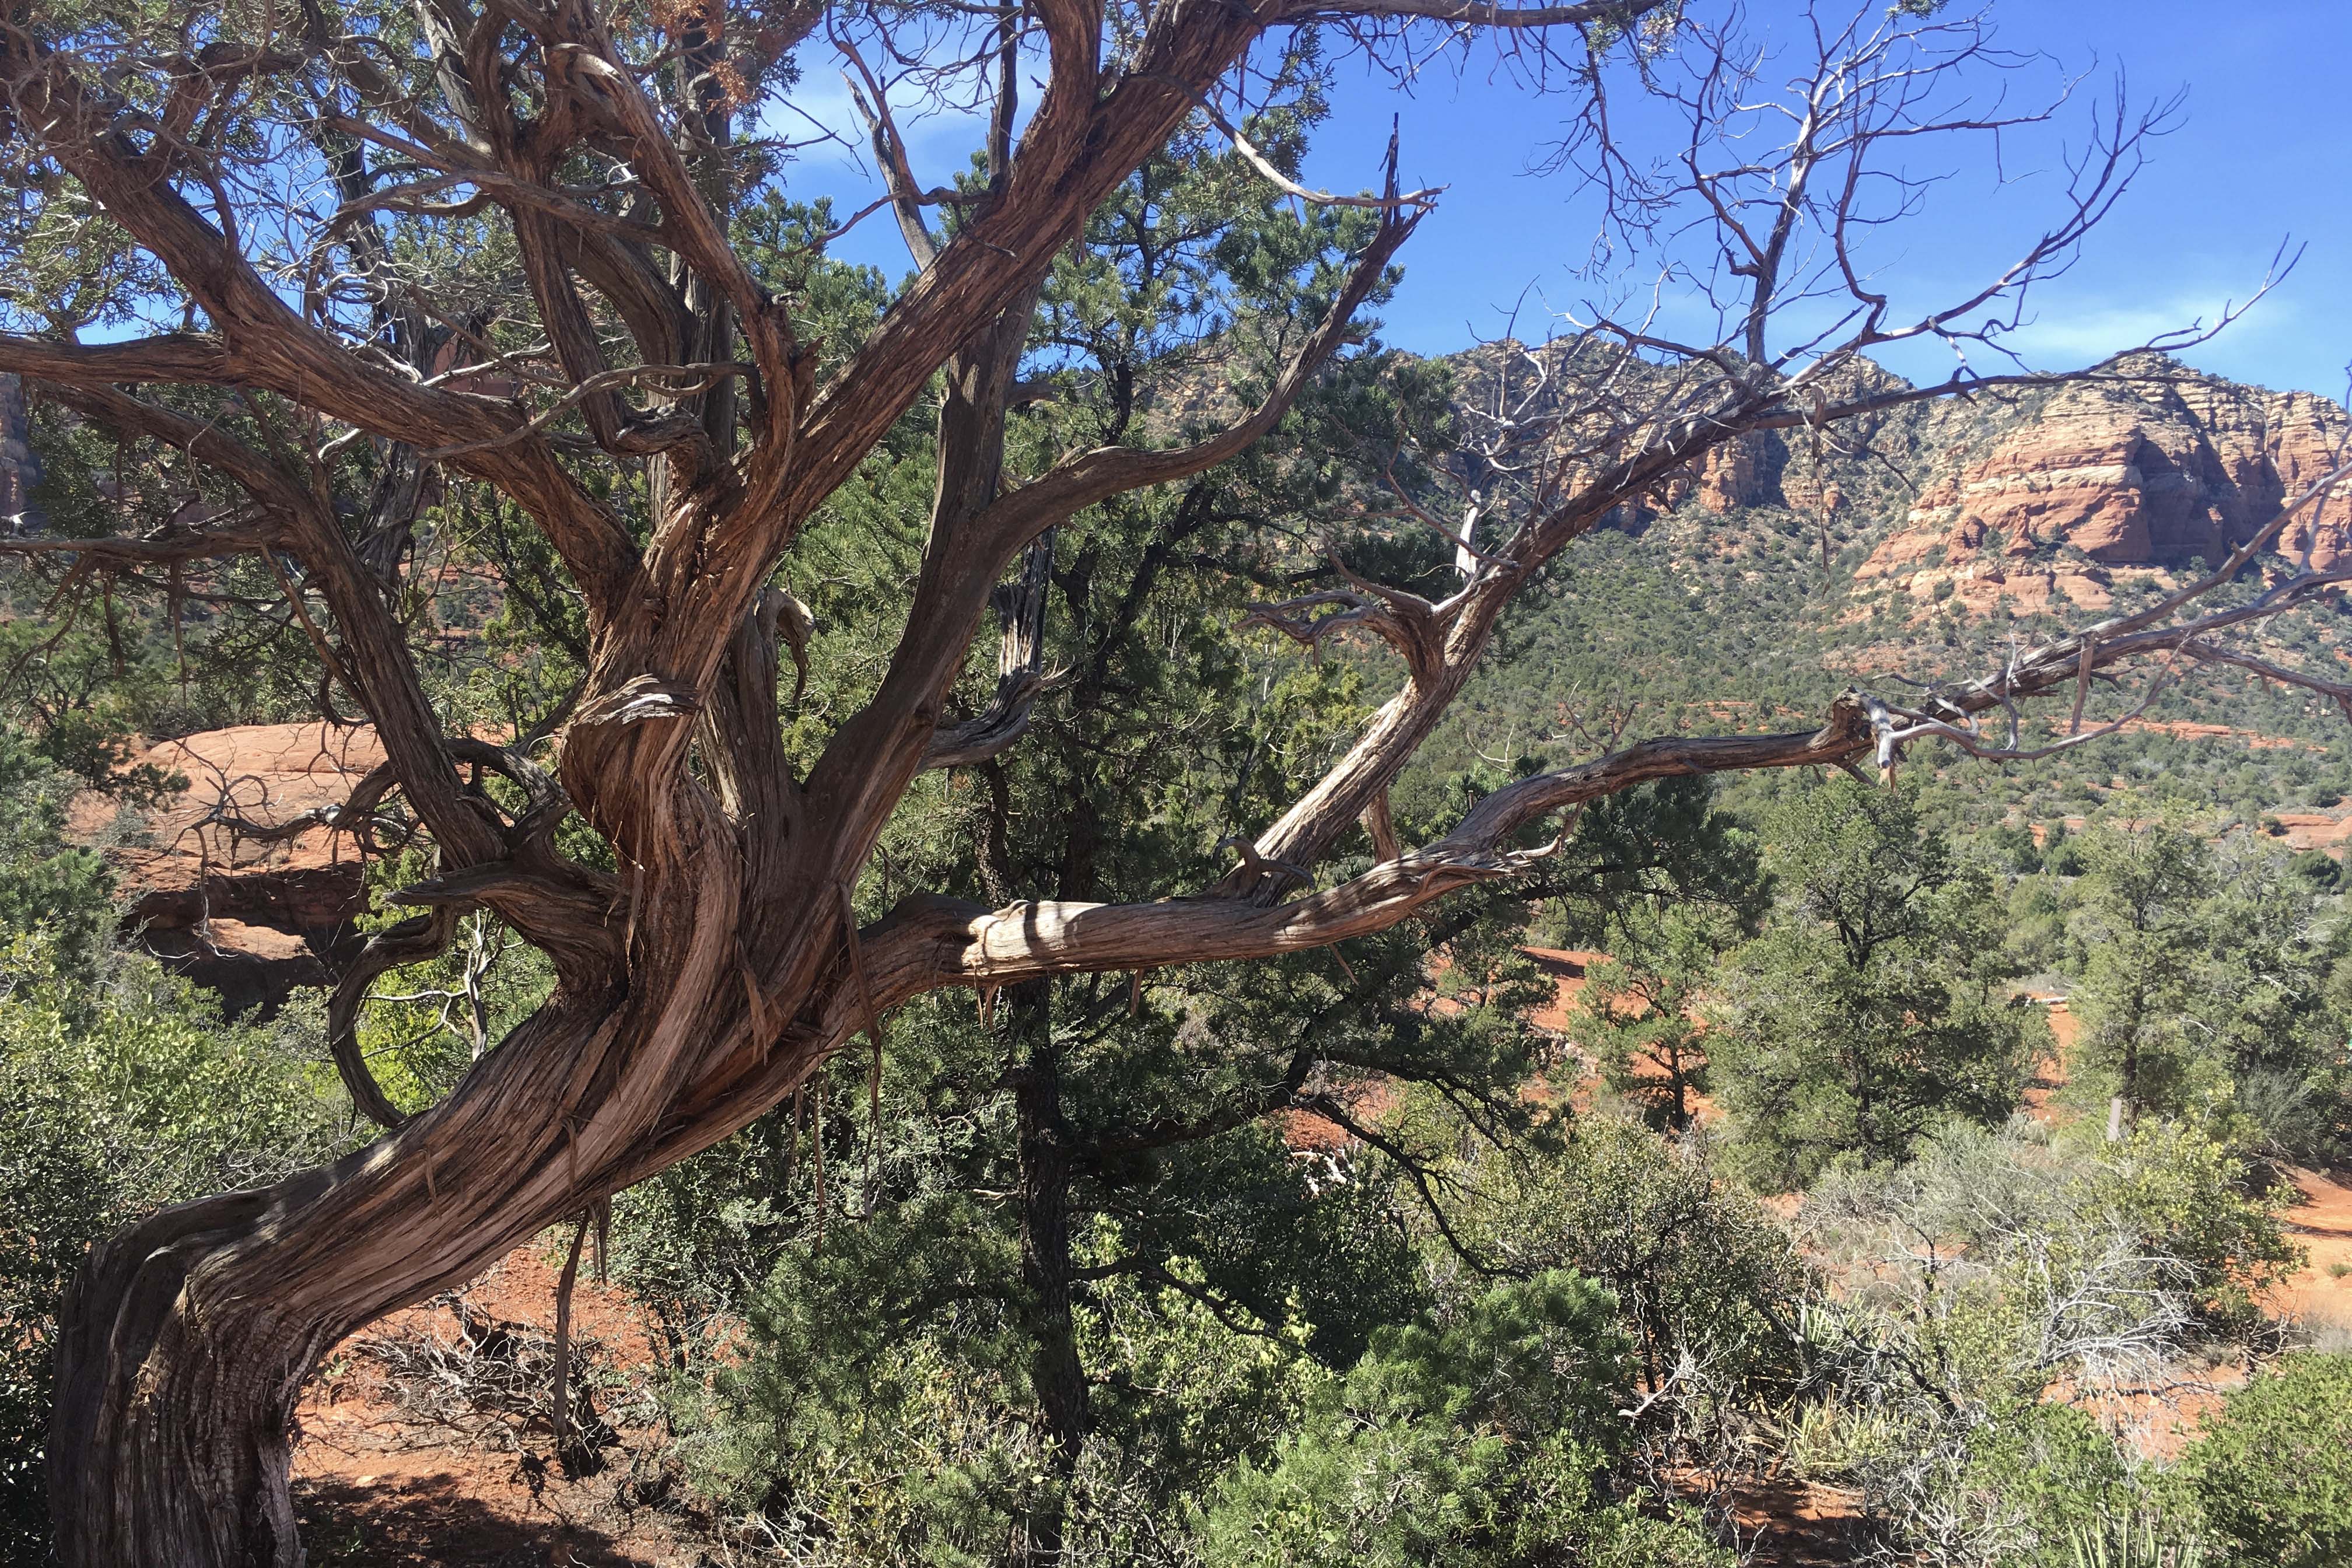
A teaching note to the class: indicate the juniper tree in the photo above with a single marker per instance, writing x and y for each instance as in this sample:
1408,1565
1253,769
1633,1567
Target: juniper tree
1878,1003
2142,926
1639,1011
350,264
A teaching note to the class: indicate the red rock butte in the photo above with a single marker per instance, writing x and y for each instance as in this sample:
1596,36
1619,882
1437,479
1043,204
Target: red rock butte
2152,474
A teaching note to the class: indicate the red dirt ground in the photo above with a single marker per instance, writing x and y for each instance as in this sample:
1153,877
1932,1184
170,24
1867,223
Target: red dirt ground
2322,1225
378,1487
1797,1523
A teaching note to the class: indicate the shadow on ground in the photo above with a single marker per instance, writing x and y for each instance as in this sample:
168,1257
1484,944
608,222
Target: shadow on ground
1799,1526
431,1523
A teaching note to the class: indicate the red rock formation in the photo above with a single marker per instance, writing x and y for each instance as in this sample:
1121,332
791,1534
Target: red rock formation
1729,476
1740,472
251,918
2153,473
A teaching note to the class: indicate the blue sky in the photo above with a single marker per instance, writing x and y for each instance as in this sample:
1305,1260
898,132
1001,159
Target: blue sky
2261,154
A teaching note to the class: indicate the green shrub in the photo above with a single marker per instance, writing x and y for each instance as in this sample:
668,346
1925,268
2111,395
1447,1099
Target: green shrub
2319,868
1480,1442
2274,1469
2186,1195
122,1094
2051,1468
1696,1266
2133,1539
1992,1273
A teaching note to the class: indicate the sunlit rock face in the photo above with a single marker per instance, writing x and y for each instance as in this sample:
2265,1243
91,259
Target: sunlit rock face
2148,474
252,917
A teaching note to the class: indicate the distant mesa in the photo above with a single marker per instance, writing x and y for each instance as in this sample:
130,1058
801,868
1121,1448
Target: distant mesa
2029,501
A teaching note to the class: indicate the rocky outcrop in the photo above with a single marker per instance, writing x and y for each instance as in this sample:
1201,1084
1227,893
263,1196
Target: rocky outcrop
1843,471
2157,473
1743,471
2034,503
251,917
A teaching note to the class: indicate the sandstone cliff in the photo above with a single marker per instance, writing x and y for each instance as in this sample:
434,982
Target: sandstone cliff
2042,506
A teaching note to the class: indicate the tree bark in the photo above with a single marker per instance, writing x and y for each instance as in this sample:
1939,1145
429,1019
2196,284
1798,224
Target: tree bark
1065,1413
185,1341
2122,1105
1678,1074
168,1442
559,1398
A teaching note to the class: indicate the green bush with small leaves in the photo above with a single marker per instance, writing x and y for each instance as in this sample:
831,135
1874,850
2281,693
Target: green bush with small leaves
1474,1443
2272,1471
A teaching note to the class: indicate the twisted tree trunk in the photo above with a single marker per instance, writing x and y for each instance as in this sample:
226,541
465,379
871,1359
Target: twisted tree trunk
177,1375
186,1340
